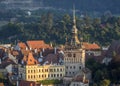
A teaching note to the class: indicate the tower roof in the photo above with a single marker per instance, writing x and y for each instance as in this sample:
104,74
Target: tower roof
74,39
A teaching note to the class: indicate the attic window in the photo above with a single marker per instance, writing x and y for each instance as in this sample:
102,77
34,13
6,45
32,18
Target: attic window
30,59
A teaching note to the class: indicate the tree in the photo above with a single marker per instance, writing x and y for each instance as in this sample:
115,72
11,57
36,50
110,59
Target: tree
105,82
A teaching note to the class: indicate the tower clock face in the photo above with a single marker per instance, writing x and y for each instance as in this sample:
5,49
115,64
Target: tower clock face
69,55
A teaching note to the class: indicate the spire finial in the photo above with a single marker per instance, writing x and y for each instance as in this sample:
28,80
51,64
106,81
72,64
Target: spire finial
74,14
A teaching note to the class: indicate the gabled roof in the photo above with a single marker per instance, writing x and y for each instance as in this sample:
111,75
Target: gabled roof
89,46
22,45
37,44
30,60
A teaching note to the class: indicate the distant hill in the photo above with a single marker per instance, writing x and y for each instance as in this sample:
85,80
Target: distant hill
81,5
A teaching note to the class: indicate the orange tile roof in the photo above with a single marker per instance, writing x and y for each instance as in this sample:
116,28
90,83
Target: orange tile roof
38,44
22,45
30,60
89,46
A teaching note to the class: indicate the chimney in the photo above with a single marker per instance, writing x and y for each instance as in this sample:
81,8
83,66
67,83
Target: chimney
35,50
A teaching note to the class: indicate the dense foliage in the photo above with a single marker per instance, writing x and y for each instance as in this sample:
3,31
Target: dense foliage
102,74
52,28
51,82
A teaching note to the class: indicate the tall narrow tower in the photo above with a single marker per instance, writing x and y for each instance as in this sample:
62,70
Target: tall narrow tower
74,39
74,58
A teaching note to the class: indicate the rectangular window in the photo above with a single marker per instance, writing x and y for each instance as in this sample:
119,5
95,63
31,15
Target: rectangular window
61,69
34,76
48,75
45,75
57,70
54,75
80,67
74,67
60,75
42,76
42,70
74,55
28,76
57,75
51,70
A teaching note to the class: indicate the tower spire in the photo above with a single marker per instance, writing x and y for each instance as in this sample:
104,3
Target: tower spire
74,20
74,39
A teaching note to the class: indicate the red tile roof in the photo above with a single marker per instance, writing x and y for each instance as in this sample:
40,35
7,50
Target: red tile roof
89,46
38,44
22,45
30,60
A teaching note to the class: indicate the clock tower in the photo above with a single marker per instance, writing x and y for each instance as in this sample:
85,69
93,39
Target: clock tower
74,54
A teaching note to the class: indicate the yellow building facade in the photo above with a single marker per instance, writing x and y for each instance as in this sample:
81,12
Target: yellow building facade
41,72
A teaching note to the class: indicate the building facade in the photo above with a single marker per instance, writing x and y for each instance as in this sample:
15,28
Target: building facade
42,72
74,58
32,70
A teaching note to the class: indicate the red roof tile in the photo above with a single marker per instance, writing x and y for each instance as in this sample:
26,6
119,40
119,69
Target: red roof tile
39,44
89,46
22,45
30,60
